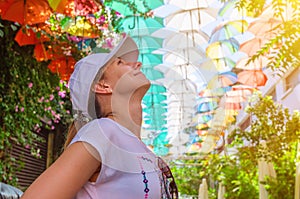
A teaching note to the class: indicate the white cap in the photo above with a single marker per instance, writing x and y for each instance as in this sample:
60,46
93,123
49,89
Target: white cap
86,70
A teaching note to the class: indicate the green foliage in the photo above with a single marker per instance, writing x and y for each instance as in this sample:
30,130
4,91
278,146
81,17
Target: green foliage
32,98
237,167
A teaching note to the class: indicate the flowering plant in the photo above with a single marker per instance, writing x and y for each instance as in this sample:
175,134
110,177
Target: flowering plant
31,99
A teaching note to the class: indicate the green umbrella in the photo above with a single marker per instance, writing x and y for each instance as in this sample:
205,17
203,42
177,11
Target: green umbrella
131,7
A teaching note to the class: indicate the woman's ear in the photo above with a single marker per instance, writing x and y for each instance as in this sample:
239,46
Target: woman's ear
102,88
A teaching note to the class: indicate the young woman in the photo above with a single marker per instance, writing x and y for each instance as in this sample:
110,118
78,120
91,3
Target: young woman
104,155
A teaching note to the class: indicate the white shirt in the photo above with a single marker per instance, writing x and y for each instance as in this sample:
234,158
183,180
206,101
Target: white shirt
123,158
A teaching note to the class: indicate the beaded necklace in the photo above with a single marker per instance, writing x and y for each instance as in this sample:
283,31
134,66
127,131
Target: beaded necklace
143,172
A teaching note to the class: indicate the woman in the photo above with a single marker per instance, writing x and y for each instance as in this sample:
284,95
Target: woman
105,157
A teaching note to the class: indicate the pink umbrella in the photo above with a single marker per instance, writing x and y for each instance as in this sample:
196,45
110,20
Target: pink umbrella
252,77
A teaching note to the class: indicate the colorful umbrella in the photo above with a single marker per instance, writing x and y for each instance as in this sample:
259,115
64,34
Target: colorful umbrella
221,49
227,30
40,53
137,26
26,36
252,46
132,7
227,78
63,67
258,64
81,27
252,78
265,28
25,12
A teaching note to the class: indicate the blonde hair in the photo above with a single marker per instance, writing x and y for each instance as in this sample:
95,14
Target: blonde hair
78,123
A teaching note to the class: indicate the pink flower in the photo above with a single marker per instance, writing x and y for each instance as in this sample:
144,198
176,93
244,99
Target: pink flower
22,109
51,97
41,99
57,88
17,108
30,85
62,94
52,127
27,146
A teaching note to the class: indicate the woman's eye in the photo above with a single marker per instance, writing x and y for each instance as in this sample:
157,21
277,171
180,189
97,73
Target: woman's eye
120,61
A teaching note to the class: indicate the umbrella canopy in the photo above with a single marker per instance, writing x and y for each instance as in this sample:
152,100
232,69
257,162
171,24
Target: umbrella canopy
221,49
186,20
227,30
252,78
63,67
26,36
125,7
25,12
227,78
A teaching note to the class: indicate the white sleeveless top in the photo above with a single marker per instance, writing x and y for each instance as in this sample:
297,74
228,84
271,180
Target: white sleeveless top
123,158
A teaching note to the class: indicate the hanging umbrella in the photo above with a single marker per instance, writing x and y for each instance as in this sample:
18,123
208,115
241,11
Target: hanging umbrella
252,46
80,26
228,29
40,53
207,105
221,49
147,44
258,64
187,39
264,28
187,20
237,96
26,36
63,67
216,92
192,4
227,78
230,11
252,77
137,25
126,7
25,12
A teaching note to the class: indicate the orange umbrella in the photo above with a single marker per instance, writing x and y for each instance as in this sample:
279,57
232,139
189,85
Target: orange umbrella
26,36
75,8
25,12
40,53
264,28
63,67
252,46
258,64
252,78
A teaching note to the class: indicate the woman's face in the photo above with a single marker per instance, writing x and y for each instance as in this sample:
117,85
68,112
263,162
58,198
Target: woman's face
126,77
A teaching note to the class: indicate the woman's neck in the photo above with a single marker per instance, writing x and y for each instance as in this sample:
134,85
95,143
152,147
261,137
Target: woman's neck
128,113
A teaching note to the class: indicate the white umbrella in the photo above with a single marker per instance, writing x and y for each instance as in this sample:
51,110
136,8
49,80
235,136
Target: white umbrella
203,190
264,169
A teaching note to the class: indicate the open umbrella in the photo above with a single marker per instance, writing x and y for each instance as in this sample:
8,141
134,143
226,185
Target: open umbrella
126,7
26,36
221,49
25,12
252,78
228,29
187,20
63,67
227,78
